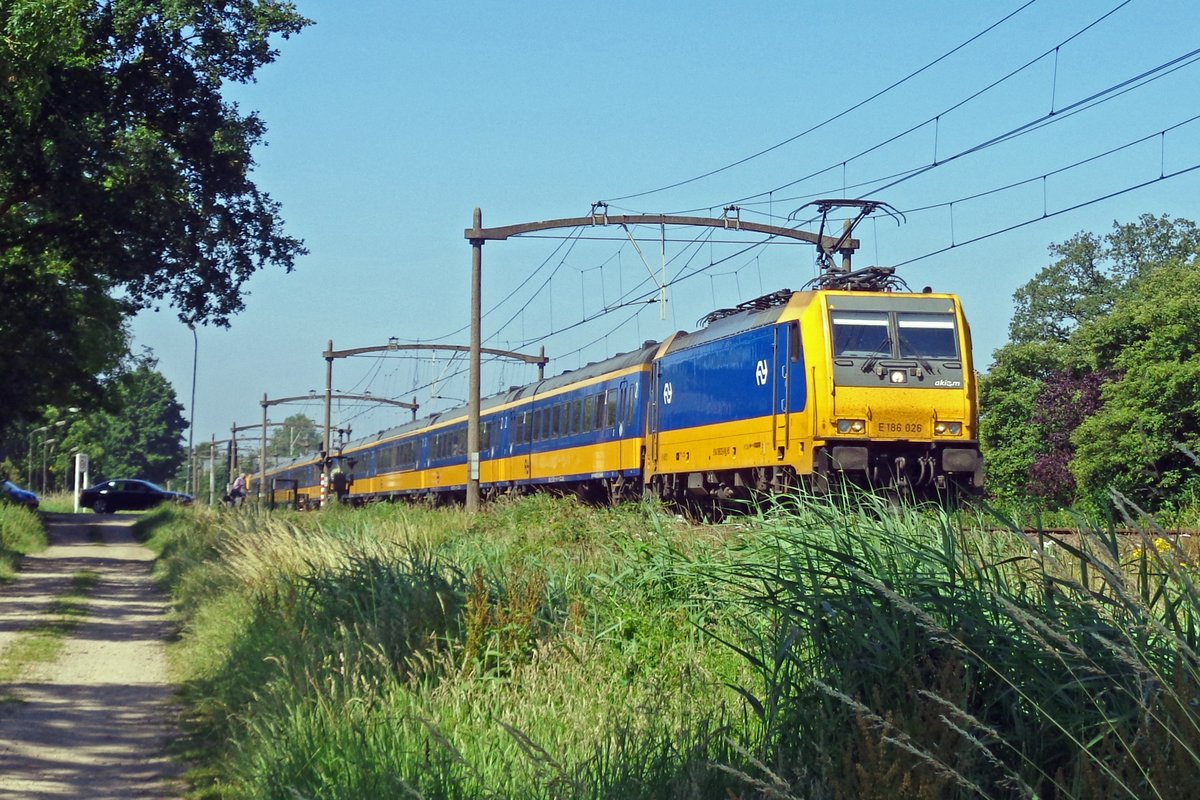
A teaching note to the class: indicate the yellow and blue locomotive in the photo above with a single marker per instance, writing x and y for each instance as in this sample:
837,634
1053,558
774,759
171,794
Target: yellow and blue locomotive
861,384
817,387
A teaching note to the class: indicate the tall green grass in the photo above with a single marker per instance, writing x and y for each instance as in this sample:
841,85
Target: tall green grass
57,503
21,533
909,658
542,649
808,650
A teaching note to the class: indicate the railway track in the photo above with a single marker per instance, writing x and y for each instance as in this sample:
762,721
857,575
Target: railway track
1124,531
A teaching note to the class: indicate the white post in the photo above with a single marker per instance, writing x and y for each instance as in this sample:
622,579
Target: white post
212,472
81,476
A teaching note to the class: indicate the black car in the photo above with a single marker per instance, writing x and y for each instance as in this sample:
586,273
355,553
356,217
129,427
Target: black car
15,494
128,494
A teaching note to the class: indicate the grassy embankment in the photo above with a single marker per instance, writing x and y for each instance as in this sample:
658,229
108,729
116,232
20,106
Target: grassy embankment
546,650
58,503
21,533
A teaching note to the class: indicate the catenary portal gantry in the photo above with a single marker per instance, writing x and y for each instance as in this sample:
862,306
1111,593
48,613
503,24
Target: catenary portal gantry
477,235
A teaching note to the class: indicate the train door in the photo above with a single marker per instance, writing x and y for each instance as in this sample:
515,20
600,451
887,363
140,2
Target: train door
525,444
634,427
619,429
652,418
496,447
786,337
520,439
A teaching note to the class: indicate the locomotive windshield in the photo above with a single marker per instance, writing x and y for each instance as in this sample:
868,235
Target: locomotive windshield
861,334
868,334
927,336
888,341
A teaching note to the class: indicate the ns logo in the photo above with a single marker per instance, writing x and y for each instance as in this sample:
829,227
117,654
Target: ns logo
761,372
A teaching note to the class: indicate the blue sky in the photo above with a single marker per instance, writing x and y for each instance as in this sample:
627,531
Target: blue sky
389,122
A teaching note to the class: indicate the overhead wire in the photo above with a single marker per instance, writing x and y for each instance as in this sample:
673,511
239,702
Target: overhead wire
1051,173
623,301
514,291
1086,103
632,297
1050,214
933,119
1163,176
837,116
896,178
900,176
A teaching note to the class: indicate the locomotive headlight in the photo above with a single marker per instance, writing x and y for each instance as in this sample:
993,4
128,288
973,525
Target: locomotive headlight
898,376
947,428
851,426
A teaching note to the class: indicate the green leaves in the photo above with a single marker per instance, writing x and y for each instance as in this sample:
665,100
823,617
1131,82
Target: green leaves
1126,306
122,166
298,435
138,433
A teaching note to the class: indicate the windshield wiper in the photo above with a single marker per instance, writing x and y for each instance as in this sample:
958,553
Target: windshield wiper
885,348
920,358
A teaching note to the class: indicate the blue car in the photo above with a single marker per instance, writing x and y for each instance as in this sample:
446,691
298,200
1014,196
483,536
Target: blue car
12,493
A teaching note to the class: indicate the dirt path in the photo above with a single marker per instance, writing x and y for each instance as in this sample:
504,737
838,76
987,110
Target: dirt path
97,721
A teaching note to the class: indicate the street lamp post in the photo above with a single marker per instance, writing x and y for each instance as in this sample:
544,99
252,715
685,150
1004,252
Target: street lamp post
43,429
49,427
192,410
45,446
29,457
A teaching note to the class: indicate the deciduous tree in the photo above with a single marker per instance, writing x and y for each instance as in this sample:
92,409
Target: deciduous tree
1138,441
1095,387
139,433
1091,272
297,435
1007,397
125,178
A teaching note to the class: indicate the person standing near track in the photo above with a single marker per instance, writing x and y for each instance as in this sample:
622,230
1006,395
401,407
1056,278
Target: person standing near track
340,482
237,492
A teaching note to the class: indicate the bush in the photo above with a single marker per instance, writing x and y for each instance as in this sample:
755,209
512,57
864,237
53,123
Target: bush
21,533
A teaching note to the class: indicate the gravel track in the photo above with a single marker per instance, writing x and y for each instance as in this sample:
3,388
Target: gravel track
97,722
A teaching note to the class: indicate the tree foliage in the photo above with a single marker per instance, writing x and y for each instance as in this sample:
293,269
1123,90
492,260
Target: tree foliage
1091,272
1100,388
298,435
139,432
1064,400
1007,395
125,177
1137,442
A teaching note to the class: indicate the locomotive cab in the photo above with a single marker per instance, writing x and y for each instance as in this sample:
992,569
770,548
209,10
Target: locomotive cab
900,401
